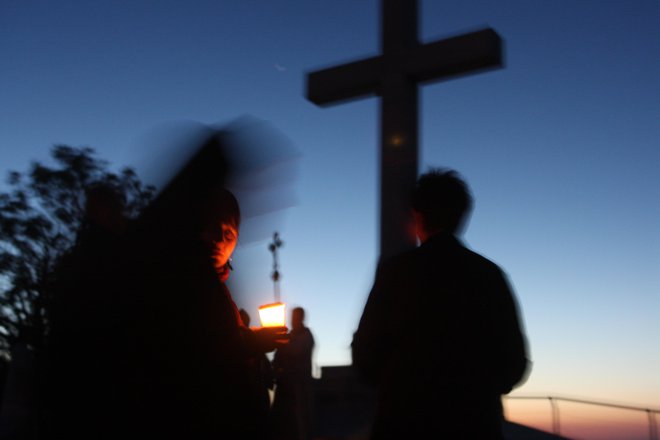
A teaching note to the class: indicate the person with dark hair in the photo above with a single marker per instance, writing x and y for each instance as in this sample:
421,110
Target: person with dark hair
440,334
193,354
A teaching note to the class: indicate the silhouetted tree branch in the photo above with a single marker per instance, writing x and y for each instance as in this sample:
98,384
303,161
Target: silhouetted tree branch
40,217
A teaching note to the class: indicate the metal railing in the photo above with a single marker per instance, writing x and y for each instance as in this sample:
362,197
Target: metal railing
554,407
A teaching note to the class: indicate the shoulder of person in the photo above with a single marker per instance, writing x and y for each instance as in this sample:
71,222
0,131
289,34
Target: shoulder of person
483,264
398,259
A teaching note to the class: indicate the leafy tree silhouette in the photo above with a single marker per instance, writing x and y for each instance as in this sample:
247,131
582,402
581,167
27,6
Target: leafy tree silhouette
40,217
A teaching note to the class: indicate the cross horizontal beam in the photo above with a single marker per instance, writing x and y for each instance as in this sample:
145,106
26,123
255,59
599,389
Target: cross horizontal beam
432,62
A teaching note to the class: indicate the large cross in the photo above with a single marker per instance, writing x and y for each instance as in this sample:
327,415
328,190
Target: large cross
394,76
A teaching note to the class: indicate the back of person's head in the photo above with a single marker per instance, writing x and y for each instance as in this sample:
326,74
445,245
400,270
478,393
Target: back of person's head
245,317
298,317
300,312
220,207
105,206
443,200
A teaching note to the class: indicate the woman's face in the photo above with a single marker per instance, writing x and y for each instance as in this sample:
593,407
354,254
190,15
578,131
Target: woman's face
224,247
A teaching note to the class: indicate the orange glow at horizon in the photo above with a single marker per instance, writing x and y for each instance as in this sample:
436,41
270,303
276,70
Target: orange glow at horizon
580,421
272,315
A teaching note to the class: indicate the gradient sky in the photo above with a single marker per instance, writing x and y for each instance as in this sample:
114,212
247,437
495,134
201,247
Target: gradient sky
561,149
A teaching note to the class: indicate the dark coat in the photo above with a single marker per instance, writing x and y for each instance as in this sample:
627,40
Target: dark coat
195,367
148,341
83,385
441,337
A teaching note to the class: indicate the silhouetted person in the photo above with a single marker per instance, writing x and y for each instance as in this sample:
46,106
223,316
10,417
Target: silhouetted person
292,407
193,377
80,374
245,317
440,334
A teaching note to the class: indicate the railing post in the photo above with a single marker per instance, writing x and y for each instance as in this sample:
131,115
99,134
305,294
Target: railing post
555,415
554,405
653,428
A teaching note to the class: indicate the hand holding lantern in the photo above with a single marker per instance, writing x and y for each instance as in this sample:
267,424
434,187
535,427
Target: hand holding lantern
270,338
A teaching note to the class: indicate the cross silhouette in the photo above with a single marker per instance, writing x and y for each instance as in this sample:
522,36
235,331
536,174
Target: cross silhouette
394,76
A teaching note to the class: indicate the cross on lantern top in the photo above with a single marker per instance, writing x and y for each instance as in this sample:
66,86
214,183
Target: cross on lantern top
394,76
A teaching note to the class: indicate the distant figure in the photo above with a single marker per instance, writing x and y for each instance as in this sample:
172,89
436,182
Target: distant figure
193,375
105,209
440,334
292,407
81,377
245,317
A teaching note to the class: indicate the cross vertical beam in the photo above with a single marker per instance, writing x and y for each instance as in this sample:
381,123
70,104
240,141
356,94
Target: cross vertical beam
398,127
394,76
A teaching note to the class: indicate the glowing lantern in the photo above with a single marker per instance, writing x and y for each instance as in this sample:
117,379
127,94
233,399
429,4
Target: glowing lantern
272,315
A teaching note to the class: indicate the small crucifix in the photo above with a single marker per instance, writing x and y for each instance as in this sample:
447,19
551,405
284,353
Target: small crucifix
275,275
394,76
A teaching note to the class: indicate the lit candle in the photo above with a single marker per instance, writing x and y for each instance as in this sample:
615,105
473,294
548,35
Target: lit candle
272,315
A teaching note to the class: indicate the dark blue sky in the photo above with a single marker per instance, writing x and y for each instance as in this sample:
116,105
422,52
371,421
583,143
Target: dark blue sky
561,149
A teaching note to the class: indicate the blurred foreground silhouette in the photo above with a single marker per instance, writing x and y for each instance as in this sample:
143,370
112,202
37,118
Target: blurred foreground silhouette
50,214
176,359
42,217
138,339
